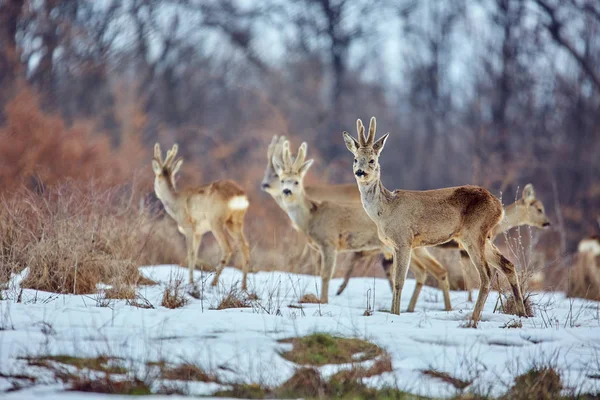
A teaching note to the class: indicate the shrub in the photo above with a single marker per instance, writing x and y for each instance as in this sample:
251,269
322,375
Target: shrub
173,296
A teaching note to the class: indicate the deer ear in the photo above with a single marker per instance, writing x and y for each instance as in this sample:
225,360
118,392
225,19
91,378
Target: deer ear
176,166
528,192
277,165
305,167
378,145
156,167
351,143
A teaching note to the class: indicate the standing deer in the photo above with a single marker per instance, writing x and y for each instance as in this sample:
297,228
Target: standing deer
343,193
218,207
528,210
333,227
409,219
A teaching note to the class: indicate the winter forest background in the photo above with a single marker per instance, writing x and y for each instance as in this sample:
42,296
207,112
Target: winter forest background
497,93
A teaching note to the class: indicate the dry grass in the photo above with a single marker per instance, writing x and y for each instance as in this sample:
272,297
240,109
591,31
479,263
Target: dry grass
457,383
381,365
309,298
120,293
174,294
321,348
509,305
187,372
306,382
72,237
234,299
538,383
108,385
100,363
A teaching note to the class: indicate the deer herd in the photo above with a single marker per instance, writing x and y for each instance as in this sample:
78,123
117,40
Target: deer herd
363,219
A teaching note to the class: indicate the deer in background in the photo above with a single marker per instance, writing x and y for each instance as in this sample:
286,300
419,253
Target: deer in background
333,227
218,207
528,210
408,219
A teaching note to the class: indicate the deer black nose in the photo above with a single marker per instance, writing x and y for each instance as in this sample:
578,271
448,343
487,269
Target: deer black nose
360,172
545,224
266,186
287,192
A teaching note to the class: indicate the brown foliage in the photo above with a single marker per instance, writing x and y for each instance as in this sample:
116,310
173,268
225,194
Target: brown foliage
38,146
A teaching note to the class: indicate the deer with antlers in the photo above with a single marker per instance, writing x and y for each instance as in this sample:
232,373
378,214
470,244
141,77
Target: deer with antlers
333,227
219,207
408,219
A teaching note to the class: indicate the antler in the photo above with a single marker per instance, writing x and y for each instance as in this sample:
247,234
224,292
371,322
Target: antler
286,157
171,156
300,157
361,133
158,154
272,146
371,137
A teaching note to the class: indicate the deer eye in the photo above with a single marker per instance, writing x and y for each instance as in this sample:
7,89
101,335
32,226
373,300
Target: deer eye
282,181
371,161
296,182
540,210
355,161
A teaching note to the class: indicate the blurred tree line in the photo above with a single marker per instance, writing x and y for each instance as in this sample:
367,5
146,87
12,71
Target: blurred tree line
497,93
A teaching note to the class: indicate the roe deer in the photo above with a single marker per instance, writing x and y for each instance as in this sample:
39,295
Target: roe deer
343,193
423,261
218,207
528,210
333,227
409,219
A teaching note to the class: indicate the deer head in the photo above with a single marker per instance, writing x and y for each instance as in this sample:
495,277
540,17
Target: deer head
270,182
530,210
291,172
366,152
164,172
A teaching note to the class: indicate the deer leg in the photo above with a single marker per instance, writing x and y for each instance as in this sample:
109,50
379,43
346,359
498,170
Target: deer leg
401,263
196,240
433,266
501,263
420,276
477,255
191,260
387,264
237,233
223,242
464,264
315,259
355,257
328,258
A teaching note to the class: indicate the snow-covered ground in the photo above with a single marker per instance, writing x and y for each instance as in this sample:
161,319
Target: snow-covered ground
241,344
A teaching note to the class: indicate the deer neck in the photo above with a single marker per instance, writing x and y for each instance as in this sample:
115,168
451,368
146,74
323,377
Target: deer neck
167,194
512,218
279,201
374,197
300,211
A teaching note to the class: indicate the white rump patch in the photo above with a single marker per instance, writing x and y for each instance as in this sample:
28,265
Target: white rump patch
591,245
238,203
